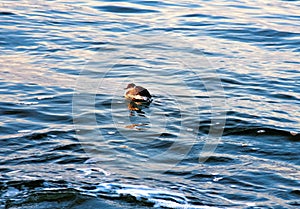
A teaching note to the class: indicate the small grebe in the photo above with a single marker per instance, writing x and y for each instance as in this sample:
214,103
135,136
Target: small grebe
137,93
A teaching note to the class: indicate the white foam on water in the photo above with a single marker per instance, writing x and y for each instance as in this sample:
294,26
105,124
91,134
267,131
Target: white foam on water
93,170
27,103
25,131
159,197
11,192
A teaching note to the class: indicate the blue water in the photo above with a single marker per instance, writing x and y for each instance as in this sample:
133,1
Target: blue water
222,131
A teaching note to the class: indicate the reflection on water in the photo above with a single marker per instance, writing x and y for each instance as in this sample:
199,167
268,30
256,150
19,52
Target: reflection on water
225,81
137,106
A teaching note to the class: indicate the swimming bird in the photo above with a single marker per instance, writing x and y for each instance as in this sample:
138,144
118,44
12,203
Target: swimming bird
137,93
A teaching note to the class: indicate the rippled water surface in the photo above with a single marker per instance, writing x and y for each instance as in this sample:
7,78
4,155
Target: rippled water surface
222,130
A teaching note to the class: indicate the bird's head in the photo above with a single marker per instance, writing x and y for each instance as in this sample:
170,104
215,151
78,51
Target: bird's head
129,86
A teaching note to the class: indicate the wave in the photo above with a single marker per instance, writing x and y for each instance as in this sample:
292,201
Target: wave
56,194
153,197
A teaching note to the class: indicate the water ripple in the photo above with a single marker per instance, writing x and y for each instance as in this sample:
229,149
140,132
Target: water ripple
123,9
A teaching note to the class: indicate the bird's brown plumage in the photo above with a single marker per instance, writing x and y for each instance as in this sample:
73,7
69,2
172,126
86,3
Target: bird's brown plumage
137,93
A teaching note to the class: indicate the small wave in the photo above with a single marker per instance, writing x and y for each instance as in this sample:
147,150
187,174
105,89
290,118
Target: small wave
261,37
146,195
122,9
197,15
254,131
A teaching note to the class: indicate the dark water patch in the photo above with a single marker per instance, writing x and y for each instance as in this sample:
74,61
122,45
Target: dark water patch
37,136
178,173
71,159
51,194
244,118
115,29
167,135
48,134
56,22
284,96
276,16
6,13
295,194
122,9
274,152
260,131
30,184
204,127
20,113
98,43
155,3
219,160
68,147
64,198
197,15
197,24
32,159
200,177
232,80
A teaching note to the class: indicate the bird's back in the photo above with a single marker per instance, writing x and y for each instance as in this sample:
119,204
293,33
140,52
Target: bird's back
142,92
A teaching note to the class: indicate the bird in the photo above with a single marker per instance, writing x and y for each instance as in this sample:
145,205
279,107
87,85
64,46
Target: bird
137,93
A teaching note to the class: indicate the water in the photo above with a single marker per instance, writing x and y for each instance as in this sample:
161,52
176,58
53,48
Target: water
222,130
